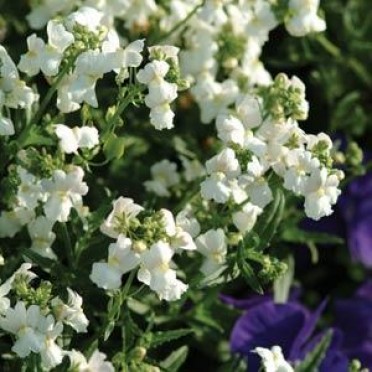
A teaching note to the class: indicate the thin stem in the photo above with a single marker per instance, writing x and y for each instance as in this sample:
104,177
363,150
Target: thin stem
180,24
68,245
351,62
51,92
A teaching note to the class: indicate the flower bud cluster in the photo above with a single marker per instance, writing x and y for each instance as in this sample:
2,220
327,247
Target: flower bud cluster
262,138
37,320
14,93
144,240
40,202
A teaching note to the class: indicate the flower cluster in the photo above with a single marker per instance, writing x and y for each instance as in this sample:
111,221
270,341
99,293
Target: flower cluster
145,240
37,319
77,116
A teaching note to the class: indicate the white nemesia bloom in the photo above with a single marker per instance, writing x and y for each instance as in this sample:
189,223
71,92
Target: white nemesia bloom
212,245
304,19
29,191
42,236
187,222
155,272
122,258
96,362
71,139
246,218
51,353
64,192
321,192
123,208
12,222
273,359
178,237
164,175
23,324
72,312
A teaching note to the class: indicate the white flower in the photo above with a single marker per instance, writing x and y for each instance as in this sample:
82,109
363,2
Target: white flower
273,359
46,57
187,222
230,129
42,236
64,192
11,222
124,209
212,245
51,354
225,162
96,362
321,192
304,18
71,139
161,93
85,16
5,288
29,191
122,258
216,187
47,9
193,169
164,175
23,324
246,218
161,117
155,272
72,312
300,165
6,126
249,111
14,92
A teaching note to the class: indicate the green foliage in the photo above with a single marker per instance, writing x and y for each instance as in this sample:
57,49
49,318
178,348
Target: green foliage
314,358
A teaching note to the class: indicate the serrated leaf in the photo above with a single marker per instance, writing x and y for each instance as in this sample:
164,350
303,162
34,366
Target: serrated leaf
175,360
315,357
159,338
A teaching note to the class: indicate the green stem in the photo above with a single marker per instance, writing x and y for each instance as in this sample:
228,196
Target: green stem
68,245
51,92
356,66
179,24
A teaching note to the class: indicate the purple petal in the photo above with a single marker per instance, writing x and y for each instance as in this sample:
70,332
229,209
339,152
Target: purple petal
365,291
354,318
306,331
246,303
266,325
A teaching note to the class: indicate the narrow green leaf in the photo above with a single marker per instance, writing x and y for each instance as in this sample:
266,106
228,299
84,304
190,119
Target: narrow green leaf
159,338
296,235
247,271
175,360
315,357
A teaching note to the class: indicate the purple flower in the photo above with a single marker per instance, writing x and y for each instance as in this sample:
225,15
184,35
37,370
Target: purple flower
354,318
288,325
356,209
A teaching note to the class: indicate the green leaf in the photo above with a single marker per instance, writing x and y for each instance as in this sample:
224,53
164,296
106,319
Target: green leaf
247,271
296,235
269,221
175,360
283,284
113,147
315,357
158,338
